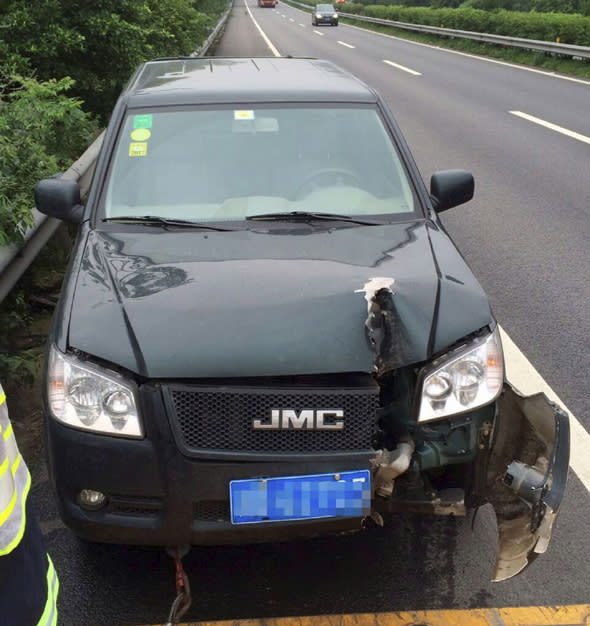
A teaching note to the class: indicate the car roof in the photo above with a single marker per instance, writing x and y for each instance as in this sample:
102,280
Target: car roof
217,80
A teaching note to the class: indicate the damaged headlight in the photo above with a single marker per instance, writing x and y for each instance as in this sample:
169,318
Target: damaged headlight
88,397
464,379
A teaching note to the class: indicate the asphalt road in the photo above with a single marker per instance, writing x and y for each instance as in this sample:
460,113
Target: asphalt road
525,235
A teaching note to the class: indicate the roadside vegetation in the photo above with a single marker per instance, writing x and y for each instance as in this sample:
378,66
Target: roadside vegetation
62,66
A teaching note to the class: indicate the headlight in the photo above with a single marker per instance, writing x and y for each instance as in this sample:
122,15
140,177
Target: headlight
91,398
319,16
335,16
463,379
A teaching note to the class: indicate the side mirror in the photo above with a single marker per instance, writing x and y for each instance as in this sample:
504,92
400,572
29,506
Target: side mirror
59,198
451,188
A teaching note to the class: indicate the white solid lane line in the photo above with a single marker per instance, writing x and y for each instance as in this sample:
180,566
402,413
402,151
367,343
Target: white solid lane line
555,127
402,67
317,32
267,41
522,375
343,43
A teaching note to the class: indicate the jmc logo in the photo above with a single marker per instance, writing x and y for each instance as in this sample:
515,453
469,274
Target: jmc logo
307,419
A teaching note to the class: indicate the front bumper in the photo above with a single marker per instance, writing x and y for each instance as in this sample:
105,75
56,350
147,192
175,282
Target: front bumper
527,475
158,496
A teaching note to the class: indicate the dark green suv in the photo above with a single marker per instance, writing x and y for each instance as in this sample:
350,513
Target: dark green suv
265,331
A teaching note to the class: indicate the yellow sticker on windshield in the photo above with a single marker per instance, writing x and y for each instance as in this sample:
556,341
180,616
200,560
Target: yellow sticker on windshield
141,134
243,115
137,149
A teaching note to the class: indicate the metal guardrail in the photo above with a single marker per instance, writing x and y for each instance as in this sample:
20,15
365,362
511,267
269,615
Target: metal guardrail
582,52
14,258
202,51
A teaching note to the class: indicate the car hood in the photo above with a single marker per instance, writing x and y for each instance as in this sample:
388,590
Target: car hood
195,304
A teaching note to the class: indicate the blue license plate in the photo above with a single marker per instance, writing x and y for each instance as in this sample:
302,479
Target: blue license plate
344,494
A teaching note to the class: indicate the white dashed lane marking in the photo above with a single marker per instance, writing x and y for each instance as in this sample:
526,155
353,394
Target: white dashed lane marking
402,67
551,126
347,45
317,32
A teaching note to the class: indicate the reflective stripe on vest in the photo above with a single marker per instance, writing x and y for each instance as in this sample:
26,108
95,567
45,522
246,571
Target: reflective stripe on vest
15,482
49,617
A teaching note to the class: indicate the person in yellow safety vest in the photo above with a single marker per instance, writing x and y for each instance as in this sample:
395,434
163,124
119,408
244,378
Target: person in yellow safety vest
28,581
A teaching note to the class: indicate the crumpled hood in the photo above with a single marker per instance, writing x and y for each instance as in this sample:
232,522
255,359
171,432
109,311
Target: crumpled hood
197,304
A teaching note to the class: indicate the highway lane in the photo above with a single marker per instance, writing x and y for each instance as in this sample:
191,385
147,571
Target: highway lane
415,563
525,234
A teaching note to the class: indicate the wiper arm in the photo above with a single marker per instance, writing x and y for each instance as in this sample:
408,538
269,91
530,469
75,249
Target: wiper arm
306,216
156,220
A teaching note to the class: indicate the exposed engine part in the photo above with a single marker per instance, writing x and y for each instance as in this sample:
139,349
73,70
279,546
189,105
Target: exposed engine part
390,464
524,480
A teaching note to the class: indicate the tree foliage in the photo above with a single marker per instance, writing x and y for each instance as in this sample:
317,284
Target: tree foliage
99,43
80,54
41,132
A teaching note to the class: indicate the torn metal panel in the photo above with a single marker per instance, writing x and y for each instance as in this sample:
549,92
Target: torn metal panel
383,324
527,474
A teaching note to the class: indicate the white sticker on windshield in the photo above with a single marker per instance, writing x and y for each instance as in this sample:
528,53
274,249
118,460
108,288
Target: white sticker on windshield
243,115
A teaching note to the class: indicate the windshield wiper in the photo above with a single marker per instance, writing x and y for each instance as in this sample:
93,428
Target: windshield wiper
306,216
155,220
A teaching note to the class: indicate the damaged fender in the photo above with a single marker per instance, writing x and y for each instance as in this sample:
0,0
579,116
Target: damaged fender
526,477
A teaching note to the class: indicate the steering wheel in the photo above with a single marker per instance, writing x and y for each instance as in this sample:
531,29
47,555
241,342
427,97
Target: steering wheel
326,177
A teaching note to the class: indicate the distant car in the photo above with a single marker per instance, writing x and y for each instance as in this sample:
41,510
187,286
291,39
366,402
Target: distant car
324,14
267,3
263,335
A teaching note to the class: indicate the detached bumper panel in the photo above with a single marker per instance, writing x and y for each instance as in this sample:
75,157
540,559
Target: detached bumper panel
281,499
527,476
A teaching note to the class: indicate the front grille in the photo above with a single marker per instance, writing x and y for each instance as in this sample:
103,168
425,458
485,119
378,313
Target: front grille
211,511
209,419
137,507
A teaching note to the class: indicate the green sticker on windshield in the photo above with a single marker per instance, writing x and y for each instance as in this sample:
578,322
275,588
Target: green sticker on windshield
143,121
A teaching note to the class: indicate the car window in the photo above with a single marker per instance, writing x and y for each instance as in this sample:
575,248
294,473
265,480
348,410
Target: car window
227,164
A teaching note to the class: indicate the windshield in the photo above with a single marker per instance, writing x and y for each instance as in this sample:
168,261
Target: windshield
325,7
228,164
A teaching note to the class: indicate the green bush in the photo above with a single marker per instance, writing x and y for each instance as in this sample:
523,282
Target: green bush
571,29
41,132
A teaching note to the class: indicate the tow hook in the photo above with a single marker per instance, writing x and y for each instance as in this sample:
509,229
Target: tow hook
183,598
